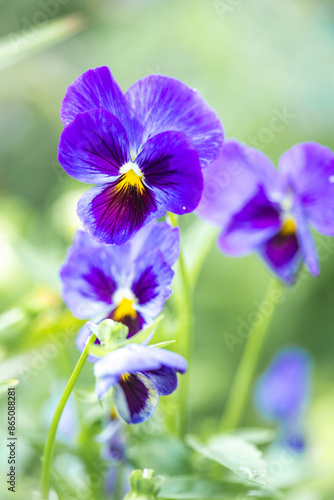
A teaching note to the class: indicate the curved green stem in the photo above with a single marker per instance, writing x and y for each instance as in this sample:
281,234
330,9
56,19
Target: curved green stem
50,442
245,374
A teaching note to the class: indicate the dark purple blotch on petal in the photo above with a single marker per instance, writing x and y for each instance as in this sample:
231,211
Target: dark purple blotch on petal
113,212
146,287
136,393
257,221
281,249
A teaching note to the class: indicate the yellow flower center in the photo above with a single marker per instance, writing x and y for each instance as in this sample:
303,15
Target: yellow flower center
113,414
131,176
125,377
130,179
289,227
125,308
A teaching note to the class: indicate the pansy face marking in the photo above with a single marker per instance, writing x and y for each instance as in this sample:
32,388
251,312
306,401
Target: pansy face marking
129,284
144,149
268,211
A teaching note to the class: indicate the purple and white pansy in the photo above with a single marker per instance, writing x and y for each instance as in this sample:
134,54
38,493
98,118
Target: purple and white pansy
139,375
128,283
144,149
271,211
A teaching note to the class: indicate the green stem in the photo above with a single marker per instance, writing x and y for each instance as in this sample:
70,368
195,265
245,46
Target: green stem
185,341
50,442
245,374
185,334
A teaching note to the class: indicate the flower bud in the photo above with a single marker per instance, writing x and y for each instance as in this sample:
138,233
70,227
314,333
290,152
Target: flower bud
144,485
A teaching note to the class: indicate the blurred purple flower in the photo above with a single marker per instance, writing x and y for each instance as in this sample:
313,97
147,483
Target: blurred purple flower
139,375
113,440
268,211
113,443
282,393
144,149
128,283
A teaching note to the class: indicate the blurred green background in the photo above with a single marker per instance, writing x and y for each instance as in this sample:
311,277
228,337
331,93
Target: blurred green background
252,60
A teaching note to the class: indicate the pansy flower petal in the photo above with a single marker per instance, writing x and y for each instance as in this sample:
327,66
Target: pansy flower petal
293,436
306,243
97,89
136,397
282,392
154,235
115,443
112,213
82,240
94,147
164,104
151,283
233,180
257,221
283,255
172,172
88,282
138,358
164,379
113,440
136,393
307,170
104,384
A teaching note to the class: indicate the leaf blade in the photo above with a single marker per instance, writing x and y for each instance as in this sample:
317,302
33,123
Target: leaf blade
236,454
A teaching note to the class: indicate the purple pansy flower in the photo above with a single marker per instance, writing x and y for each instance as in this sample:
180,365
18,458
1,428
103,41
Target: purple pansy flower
144,149
282,394
128,283
268,211
139,375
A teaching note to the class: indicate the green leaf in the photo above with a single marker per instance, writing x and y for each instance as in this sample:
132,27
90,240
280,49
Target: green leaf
194,488
86,395
163,344
10,318
197,242
6,384
167,454
256,435
17,46
241,457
